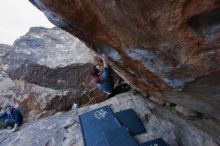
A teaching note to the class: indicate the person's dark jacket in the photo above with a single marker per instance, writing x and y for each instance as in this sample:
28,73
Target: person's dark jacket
15,115
107,82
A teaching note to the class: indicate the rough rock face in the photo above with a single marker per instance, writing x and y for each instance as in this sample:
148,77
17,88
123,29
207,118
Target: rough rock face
51,70
63,129
6,84
168,49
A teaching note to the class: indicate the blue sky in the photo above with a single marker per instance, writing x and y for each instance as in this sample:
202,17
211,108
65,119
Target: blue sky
16,18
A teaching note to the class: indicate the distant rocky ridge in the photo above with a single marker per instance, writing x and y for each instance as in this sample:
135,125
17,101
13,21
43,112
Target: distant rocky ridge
47,70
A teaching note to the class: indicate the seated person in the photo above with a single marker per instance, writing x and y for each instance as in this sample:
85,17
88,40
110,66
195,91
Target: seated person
13,117
101,76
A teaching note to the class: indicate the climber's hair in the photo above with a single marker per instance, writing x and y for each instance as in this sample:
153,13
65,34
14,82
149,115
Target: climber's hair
94,71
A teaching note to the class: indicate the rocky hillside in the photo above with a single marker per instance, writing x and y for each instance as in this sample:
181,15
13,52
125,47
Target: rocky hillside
166,49
63,129
48,70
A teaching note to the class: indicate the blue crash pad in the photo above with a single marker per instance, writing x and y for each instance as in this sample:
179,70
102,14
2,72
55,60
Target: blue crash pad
94,123
129,119
157,142
120,137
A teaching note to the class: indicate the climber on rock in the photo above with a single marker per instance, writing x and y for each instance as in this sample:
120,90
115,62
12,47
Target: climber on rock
13,117
102,77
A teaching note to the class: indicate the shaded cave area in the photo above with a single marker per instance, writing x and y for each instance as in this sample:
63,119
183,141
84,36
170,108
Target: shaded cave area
206,25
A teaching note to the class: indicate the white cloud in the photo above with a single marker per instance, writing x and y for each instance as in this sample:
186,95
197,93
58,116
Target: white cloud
16,18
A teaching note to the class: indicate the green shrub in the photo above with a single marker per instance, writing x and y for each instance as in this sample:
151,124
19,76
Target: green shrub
1,125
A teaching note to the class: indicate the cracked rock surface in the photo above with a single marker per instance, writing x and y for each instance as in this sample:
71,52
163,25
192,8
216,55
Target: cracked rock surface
168,49
63,128
45,71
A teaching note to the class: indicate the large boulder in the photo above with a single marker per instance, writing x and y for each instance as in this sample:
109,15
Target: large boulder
50,70
63,129
168,49
7,86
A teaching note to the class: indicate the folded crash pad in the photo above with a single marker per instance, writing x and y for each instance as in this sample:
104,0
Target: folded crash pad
120,137
130,120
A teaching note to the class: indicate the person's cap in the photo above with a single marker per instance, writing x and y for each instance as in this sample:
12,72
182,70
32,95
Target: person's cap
6,106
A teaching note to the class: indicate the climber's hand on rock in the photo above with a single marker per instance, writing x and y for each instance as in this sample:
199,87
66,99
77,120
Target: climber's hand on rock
104,58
